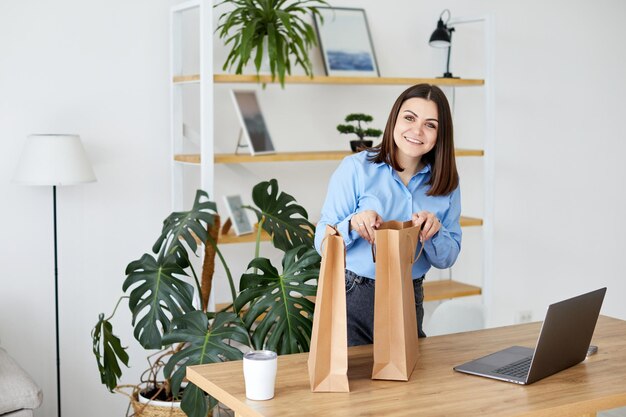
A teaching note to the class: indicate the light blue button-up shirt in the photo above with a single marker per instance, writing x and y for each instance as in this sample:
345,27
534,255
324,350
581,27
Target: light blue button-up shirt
359,185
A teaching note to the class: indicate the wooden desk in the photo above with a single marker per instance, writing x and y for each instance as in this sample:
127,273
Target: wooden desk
434,389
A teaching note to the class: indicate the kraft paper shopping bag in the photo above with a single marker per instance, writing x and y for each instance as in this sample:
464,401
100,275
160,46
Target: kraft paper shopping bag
395,322
328,355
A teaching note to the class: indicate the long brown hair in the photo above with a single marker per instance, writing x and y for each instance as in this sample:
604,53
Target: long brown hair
444,177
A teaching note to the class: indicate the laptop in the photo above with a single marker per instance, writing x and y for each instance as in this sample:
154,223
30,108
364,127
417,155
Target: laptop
563,342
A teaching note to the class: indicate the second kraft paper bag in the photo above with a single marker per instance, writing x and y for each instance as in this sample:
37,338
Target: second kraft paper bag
395,322
328,356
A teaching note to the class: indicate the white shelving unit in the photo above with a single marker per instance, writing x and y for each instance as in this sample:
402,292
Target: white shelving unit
207,159
204,80
489,145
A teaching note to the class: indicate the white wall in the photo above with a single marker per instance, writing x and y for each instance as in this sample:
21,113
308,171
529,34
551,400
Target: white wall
560,197
100,69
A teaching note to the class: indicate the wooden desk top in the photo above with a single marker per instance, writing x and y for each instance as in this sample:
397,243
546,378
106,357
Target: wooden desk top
598,383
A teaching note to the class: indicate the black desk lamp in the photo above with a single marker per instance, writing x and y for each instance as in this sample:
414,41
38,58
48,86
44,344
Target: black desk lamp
442,38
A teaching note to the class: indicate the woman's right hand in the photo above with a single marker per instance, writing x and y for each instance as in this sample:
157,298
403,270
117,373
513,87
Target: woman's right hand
365,222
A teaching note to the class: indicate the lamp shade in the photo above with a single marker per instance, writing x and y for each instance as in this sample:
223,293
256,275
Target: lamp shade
53,160
441,36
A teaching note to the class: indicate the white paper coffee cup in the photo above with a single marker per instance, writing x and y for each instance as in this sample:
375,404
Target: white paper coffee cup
259,373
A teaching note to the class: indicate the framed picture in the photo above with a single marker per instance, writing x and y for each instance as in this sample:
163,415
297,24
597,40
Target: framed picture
238,216
345,41
252,122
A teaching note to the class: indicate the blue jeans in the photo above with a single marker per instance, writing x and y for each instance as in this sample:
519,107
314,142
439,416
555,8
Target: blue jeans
360,306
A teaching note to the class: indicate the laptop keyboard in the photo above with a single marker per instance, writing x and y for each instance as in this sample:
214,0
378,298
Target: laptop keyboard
517,369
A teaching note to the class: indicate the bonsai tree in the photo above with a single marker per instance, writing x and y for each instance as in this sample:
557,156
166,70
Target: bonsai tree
273,26
359,130
169,301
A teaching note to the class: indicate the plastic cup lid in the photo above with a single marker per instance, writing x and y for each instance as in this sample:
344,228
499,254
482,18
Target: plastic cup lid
260,355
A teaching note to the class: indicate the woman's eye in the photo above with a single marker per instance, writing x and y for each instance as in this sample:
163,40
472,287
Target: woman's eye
409,118
431,125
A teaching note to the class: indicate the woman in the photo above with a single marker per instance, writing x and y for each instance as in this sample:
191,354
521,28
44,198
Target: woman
411,175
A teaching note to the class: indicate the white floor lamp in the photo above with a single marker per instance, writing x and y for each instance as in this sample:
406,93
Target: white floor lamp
54,160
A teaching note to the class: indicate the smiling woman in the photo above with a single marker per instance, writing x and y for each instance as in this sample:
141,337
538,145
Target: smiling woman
415,134
435,107
410,176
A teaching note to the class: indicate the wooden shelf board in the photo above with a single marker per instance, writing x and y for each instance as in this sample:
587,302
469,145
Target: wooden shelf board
189,158
303,79
444,289
281,157
468,152
433,291
471,221
292,156
230,237
185,79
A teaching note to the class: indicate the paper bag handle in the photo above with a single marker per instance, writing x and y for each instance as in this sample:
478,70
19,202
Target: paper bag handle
412,260
418,253
345,254
418,241
374,252
409,237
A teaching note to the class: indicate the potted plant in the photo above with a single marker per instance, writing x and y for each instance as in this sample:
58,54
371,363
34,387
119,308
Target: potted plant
358,129
275,27
168,300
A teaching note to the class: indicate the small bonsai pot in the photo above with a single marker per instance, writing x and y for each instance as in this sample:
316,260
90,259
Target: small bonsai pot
359,145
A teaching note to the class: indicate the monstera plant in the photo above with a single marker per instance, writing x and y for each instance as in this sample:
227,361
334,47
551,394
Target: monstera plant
168,299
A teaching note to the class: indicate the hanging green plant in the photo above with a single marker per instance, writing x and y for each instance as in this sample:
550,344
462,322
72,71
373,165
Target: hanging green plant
275,26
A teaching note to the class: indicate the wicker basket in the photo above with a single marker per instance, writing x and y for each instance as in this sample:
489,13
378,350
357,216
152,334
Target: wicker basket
149,409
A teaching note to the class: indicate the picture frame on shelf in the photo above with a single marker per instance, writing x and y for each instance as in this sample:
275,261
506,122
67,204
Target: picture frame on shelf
238,217
253,126
345,41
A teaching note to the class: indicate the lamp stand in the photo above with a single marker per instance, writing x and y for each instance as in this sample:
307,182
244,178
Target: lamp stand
448,74
56,298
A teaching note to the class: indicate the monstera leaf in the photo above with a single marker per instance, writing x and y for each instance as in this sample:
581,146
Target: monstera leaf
204,343
284,220
182,226
159,297
108,365
286,326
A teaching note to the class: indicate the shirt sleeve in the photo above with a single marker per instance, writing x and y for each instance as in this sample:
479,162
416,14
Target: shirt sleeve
443,248
340,204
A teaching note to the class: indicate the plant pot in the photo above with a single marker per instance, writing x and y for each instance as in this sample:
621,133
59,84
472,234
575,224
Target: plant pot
359,145
145,407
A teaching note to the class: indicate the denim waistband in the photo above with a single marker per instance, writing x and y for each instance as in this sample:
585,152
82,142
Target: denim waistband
359,279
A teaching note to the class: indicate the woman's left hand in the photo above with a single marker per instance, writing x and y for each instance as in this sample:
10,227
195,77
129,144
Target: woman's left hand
430,224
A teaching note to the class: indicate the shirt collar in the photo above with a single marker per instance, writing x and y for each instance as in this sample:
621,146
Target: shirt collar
424,170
